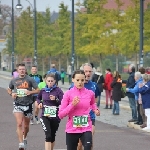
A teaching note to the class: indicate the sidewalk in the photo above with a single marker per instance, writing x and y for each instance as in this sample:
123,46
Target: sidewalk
106,114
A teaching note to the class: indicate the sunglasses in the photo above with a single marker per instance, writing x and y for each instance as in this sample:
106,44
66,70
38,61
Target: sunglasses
50,80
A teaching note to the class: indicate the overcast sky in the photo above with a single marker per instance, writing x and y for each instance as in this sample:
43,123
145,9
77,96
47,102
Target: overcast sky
41,4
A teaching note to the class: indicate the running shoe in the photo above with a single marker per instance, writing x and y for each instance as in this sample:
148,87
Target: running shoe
31,122
37,120
25,143
21,146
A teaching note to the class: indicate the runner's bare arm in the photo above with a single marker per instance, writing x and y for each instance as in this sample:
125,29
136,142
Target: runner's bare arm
96,100
36,91
9,91
13,95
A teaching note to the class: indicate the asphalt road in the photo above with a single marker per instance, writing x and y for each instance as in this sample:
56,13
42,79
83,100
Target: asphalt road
107,137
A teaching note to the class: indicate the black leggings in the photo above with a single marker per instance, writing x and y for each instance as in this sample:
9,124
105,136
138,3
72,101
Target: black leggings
72,140
50,126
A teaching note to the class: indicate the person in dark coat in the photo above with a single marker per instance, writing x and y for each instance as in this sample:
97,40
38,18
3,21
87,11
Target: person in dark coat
144,90
99,79
116,93
130,84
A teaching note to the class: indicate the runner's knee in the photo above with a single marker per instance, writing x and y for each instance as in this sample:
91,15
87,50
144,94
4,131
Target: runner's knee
19,125
80,144
49,138
88,146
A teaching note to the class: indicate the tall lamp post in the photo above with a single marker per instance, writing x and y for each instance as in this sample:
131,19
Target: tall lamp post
72,38
35,31
141,32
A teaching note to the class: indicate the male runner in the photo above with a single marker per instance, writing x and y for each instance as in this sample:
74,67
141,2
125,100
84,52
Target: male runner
87,68
22,95
38,79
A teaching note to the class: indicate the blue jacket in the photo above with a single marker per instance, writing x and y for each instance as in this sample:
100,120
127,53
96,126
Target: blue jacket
145,93
54,71
135,90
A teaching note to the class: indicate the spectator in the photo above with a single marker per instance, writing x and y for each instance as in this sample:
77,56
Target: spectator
130,83
69,73
62,74
138,79
147,70
116,93
144,90
54,71
15,73
108,89
81,68
93,68
99,79
4,65
142,111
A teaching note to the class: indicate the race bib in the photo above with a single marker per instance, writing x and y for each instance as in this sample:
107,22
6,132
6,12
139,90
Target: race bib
21,92
50,111
80,121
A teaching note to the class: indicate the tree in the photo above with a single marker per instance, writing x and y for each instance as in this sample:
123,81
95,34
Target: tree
114,38
91,28
24,34
62,32
146,29
130,30
6,16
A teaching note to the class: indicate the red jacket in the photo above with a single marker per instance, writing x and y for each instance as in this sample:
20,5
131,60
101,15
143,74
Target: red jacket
108,81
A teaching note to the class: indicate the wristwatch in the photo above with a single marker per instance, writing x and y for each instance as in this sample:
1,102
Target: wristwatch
57,99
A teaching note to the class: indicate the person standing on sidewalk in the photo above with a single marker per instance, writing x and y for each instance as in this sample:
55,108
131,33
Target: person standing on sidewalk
20,89
144,90
76,104
99,79
130,83
139,80
116,92
140,105
62,75
38,79
49,100
69,73
107,87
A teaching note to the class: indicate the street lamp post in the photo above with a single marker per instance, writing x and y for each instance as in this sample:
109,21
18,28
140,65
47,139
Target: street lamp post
0,11
35,31
12,32
35,35
141,32
72,41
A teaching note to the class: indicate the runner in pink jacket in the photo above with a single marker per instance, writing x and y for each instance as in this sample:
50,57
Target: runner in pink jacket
76,104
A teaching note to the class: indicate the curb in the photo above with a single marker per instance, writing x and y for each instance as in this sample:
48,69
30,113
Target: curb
5,77
137,127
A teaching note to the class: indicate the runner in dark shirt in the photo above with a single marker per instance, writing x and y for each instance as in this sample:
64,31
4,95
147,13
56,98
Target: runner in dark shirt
49,100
